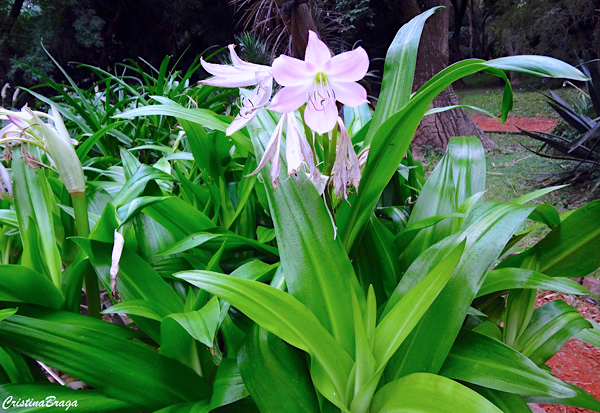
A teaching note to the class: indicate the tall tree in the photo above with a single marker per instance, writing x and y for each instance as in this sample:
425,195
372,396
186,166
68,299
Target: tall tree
435,130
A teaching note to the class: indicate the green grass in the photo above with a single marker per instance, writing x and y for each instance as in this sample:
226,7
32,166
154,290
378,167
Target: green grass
526,103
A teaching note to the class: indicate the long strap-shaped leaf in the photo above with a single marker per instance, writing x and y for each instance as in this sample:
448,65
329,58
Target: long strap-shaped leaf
481,360
289,319
394,135
428,393
139,376
399,72
316,267
487,230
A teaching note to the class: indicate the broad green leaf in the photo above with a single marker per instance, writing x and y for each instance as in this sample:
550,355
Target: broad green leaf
511,278
54,398
550,327
318,271
201,325
138,375
137,280
459,175
228,386
397,324
507,402
393,137
198,407
536,194
136,184
401,319
202,116
142,308
481,360
7,312
275,374
590,335
180,218
376,262
583,399
15,367
9,217
487,229
284,316
34,203
569,250
428,393
399,72
21,284
204,238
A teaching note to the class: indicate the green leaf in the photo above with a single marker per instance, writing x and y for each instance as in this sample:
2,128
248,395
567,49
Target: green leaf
318,271
590,335
550,327
481,360
487,229
204,238
507,402
228,386
202,116
201,325
34,203
457,177
7,312
569,250
399,72
142,308
136,184
428,393
284,316
139,375
20,284
393,136
179,217
512,278
397,324
275,374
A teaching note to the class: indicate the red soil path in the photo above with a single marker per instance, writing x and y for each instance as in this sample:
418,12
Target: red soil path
577,362
538,124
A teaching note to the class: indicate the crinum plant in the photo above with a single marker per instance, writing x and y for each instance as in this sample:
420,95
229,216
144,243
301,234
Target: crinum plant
350,302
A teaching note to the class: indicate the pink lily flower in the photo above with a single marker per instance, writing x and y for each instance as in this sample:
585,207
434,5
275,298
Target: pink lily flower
320,80
297,151
242,74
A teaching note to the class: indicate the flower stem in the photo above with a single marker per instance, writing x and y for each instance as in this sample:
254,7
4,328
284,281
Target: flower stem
83,230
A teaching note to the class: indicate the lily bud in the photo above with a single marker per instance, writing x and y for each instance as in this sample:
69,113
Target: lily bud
58,144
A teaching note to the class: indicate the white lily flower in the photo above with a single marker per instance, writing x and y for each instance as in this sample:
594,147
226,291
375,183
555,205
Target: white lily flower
298,152
346,170
320,80
242,74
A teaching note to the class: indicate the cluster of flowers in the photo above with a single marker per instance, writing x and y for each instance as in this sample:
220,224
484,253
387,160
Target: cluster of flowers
318,81
27,129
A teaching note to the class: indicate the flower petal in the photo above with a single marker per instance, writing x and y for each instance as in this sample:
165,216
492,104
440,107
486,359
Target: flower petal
317,53
293,150
290,98
348,66
349,93
289,71
230,76
321,120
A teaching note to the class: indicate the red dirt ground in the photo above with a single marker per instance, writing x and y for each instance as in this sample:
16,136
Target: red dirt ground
539,124
577,362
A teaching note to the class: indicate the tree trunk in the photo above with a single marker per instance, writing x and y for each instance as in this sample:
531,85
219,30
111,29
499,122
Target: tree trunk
6,25
298,22
435,130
